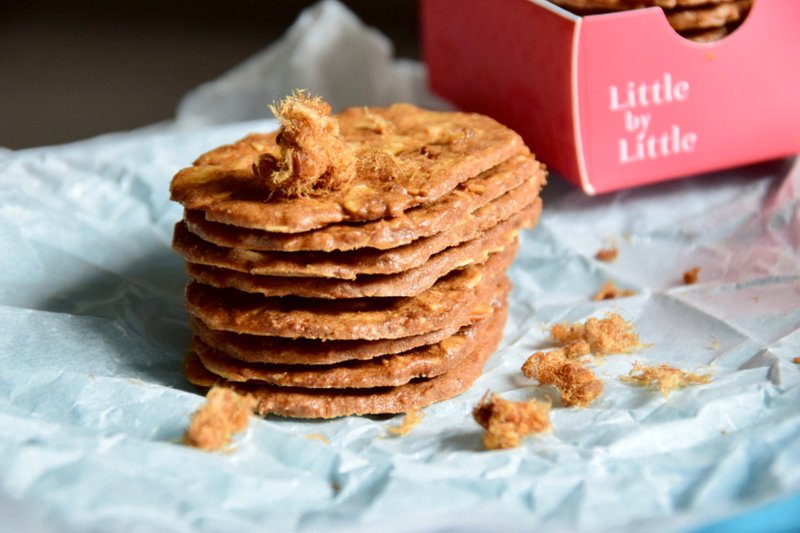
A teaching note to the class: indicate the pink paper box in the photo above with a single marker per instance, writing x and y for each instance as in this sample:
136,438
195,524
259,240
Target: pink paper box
618,100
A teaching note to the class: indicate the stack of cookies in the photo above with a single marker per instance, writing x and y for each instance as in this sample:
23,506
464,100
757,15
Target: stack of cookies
698,20
355,263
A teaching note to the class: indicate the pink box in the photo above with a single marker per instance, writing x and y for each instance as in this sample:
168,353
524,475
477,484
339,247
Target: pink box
618,100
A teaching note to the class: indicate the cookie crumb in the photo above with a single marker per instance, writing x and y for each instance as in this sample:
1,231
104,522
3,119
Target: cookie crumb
796,360
410,421
609,291
714,343
578,385
222,415
318,437
506,422
608,255
313,159
612,334
663,378
691,276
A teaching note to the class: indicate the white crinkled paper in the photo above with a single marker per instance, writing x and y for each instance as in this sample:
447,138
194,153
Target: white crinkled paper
328,51
93,332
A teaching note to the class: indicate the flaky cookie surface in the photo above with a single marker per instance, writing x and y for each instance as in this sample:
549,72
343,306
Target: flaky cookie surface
404,157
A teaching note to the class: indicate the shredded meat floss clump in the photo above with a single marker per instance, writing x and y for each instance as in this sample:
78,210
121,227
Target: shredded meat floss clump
608,255
608,335
609,291
224,414
506,422
578,385
663,378
576,349
313,159
691,276
410,421
318,437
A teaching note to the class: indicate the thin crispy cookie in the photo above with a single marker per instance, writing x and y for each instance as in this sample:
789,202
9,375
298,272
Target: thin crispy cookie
348,265
365,318
420,158
280,350
388,371
709,16
624,5
322,403
382,234
408,283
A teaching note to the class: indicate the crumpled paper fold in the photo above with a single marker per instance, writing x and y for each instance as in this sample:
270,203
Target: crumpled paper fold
329,52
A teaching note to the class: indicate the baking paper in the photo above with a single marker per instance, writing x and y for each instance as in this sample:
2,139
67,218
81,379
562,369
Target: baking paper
93,332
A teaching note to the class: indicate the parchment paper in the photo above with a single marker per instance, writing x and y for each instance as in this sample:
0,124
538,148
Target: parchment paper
93,332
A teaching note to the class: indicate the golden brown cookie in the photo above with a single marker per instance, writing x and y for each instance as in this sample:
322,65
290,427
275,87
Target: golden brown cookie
197,374
708,35
415,223
354,263
386,371
482,232
326,403
365,261
599,6
714,16
361,318
408,283
405,157
283,351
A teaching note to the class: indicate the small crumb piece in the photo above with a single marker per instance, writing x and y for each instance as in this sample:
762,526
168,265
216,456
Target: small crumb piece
506,422
578,385
216,421
608,335
691,276
796,360
318,436
609,255
714,343
663,378
609,291
410,421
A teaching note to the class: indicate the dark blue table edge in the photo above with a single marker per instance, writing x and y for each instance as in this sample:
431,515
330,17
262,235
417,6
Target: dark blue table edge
782,516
